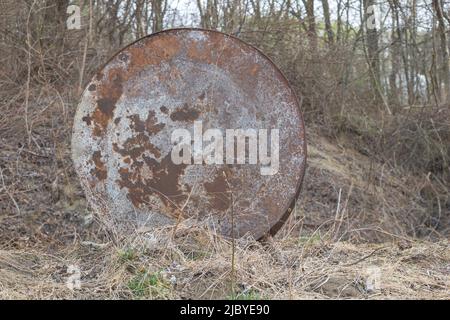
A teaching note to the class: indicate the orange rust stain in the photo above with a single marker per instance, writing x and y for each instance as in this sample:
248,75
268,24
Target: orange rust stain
200,54
213,51
110,90
185,114
135,147
100,170
161,49
163,183
227,56
254,69
100,122
150,125
145,176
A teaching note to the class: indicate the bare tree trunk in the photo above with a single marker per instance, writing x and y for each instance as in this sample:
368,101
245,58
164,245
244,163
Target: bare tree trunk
416,68
209,14
311,22
339,21
372,41
435,88
158,12
139,13
445,70
395,61
326,16
256,10
213,7
234,14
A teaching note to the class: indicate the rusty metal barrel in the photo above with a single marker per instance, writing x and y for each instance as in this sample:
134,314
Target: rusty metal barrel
190,124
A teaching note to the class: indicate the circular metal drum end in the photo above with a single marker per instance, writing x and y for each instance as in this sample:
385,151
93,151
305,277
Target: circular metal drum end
190,123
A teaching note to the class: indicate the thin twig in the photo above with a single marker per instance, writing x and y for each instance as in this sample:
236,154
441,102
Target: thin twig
363,258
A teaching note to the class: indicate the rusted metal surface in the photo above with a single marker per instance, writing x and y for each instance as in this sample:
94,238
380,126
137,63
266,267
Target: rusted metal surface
122,146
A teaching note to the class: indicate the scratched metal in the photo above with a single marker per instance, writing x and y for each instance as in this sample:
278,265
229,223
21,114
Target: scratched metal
121,143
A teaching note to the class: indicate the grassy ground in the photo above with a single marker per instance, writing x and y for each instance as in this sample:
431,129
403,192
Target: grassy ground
195,264
359,231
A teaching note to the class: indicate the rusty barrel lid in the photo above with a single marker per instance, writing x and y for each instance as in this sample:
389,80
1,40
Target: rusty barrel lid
190,90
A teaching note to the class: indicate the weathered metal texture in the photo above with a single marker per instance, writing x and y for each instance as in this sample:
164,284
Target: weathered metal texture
121,137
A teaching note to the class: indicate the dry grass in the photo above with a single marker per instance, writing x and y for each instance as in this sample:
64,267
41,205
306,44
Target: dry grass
351,196
196,264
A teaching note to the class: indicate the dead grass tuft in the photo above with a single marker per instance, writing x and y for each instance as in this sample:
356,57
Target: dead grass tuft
195,264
